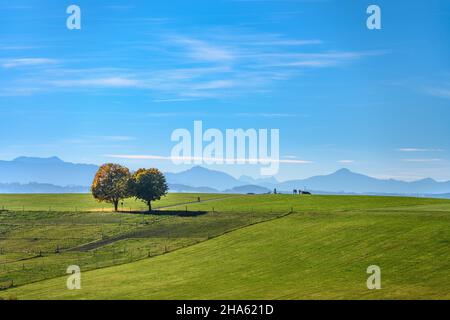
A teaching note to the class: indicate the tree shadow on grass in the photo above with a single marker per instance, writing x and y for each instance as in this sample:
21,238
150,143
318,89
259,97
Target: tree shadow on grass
178,213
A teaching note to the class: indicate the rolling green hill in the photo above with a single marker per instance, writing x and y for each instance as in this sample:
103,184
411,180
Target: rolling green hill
85,202
321,250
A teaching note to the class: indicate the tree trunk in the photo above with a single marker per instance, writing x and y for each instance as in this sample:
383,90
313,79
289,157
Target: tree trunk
116,205
149,206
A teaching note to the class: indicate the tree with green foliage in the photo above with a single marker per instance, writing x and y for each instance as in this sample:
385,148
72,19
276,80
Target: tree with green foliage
149,185
111,184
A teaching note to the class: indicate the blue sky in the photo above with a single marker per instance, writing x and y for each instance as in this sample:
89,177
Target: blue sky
375,101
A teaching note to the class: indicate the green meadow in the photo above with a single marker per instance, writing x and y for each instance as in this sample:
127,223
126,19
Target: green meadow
227,247
85,202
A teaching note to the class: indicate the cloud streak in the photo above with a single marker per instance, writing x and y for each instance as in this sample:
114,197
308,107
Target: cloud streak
204,51
26,62
206,159
106,82
419,150
422,160
440,92
346,161
211,65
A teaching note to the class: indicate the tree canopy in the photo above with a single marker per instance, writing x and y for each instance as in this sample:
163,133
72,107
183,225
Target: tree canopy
149,185
111,184
114,182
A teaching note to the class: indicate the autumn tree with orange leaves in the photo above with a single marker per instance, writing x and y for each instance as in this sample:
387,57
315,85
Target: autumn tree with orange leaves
111,184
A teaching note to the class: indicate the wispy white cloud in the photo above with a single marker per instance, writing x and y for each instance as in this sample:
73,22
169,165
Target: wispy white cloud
172,100
24,62
209,65
19,91
346,161
214,84
439,92
203,50
15,47
311,60
422,160
171,158
405,176
286,42
419,150
109,82
184,84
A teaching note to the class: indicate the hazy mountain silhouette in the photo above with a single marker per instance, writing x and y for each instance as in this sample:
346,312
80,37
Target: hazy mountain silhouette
266,182
202,177
347,181
248,189
46,170
53,171
173,187
341,181
34,187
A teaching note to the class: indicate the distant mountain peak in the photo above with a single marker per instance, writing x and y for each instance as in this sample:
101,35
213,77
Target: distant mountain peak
36,160
51,170
426,180
198,169
198,176
205,171
343,171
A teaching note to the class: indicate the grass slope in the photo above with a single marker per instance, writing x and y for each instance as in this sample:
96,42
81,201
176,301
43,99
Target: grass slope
38,245
320,251
85,202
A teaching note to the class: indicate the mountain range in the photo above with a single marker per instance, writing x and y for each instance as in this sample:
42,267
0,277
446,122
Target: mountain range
52,175
35,187
52,170
346,181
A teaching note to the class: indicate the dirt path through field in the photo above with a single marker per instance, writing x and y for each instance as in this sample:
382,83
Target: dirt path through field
143,233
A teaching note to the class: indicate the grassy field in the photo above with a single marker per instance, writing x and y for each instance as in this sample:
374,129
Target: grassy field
244,247
37,245
85,202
